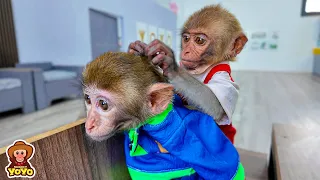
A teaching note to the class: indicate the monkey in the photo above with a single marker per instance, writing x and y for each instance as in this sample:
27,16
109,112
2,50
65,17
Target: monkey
125,93
210,39
19,155
107,88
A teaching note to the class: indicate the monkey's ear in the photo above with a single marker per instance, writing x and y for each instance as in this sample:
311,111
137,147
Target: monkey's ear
160,95
239,43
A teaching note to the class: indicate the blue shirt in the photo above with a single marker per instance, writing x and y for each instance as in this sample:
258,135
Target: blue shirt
197,148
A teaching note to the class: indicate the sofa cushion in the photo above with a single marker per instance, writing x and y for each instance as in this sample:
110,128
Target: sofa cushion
54,75
9,83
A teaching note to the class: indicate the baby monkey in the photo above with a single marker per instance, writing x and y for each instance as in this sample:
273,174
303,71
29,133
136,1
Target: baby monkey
121,91
126,94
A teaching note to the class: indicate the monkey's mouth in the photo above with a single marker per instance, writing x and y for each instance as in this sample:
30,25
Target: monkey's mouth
19,159
99,138
189,65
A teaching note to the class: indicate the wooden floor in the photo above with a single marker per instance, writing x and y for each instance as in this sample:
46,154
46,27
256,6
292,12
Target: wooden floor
268,97
25,126
265,98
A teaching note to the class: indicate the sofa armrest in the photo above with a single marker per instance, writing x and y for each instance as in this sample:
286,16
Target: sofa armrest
41,65
15,72
77,69
40,89
26,78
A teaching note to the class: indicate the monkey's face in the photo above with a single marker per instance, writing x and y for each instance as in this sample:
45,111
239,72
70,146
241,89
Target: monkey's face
121,91
101,113
209,36
109,113
196,51
20,154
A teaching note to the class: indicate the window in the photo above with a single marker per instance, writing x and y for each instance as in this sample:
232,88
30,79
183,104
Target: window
310,7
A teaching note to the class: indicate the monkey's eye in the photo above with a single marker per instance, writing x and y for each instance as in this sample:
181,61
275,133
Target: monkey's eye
200,40
103,104
17,152
22,153
87,99
185,37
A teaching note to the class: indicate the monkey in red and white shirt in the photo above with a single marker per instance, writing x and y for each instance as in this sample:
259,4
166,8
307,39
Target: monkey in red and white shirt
211,38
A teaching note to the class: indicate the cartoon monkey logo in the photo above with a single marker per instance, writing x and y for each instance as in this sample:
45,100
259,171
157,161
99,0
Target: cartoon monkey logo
19,154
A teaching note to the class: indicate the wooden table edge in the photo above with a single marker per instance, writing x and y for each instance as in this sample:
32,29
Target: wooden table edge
48,133
275,152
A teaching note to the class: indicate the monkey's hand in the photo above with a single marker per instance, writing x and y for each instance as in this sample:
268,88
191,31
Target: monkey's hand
137,48
163,56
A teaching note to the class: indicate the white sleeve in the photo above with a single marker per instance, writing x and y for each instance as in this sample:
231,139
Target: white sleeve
227,93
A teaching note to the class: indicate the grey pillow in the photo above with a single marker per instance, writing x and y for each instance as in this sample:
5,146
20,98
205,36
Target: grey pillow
54,75
9,83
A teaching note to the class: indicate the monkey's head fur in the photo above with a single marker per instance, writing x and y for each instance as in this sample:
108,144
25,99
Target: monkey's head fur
209,36
121,91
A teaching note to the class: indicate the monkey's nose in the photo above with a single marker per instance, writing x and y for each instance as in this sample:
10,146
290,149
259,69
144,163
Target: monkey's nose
185,54
90,125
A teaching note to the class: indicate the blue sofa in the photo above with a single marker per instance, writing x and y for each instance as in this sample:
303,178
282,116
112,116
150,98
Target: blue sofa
53,82
16,90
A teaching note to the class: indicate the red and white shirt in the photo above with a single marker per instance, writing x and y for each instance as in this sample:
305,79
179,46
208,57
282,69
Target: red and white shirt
218,79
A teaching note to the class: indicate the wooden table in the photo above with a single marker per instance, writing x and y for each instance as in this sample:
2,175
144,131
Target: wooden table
66,153
295,152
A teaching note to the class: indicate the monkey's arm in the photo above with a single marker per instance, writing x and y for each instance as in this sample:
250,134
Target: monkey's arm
197,93
217,98
192,89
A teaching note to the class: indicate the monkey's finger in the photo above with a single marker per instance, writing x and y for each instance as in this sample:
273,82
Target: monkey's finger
132,51
155,42
137,53
142,44
139,48
159,48
158,60
164,65
158,43
165,59
151,56
131,46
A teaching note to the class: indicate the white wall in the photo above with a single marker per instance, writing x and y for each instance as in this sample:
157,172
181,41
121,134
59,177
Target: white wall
59,30
298,35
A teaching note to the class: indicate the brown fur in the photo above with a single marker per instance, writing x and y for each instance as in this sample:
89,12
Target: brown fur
110,71
128,76
220,26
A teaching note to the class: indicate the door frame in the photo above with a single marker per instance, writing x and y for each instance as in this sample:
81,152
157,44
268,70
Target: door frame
120,28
